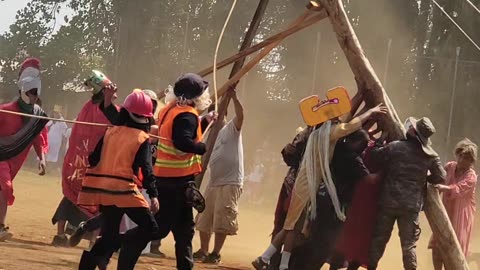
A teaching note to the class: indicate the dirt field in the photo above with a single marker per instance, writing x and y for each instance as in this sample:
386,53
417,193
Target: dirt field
37,198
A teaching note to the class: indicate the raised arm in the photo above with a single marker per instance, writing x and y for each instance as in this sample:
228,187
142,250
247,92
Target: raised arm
379,109
345,129
238,120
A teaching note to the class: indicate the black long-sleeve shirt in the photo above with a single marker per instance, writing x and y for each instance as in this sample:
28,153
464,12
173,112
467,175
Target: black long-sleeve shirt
110,112
184,133
143,160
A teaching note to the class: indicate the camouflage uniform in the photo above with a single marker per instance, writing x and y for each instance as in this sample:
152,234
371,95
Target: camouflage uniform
405,168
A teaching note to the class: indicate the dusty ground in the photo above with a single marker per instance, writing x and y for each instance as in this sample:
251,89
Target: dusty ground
37,198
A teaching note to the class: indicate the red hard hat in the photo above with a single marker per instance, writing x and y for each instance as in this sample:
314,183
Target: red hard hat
139,103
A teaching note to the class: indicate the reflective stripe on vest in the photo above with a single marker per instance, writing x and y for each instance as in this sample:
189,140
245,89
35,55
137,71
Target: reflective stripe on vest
170,161
112,181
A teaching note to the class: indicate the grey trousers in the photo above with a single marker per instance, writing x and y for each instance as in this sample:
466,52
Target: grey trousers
409,232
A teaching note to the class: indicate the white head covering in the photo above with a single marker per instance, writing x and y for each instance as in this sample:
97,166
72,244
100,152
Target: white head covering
29,78
29,83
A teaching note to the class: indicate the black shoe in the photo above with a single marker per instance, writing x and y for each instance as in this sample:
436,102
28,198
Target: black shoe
60,240
213,258
157,253
199,255
259,264
4,233
77,236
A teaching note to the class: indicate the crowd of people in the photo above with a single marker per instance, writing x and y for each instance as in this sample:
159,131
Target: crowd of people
344,190
159,153
378,184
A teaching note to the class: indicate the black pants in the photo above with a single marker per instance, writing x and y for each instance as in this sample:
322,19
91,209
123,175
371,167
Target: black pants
70,212
176,216
324,232
94,223
132,244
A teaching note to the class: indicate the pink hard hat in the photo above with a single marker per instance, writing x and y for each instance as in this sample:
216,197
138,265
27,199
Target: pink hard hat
139,103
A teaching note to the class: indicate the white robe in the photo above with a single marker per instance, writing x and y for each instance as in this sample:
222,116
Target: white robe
56,133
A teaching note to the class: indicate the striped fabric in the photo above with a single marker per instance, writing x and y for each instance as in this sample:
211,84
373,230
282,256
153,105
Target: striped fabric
11,146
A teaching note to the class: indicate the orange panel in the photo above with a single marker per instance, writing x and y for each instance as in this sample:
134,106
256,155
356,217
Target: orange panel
316,111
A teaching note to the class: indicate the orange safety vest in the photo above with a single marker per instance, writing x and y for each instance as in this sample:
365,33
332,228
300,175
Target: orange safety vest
170,161
112,181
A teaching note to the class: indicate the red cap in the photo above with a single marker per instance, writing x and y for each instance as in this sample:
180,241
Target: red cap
139,103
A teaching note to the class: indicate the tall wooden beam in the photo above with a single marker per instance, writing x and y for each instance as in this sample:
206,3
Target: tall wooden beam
374,93
367,79
445,236
249,36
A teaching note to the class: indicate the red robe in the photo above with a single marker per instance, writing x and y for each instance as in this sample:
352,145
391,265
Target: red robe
354,240
11,124
82,142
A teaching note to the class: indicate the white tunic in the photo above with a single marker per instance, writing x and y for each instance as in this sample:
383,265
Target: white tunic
56,133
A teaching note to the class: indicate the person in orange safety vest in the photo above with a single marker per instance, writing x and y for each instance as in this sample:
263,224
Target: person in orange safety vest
178,160
111,183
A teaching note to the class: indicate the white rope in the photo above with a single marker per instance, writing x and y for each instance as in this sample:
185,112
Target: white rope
68,121
473,5
216,54
456,24
317,164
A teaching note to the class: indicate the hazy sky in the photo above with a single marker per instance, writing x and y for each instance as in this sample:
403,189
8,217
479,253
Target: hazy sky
8,10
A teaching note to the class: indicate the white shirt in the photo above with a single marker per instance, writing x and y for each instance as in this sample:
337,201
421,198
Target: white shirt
56,132
226,162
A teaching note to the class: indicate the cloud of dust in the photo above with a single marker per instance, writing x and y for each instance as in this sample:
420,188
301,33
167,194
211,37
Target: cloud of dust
270,126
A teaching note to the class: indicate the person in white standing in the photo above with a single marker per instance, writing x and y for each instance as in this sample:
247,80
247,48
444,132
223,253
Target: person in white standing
224,189
56,132
68,133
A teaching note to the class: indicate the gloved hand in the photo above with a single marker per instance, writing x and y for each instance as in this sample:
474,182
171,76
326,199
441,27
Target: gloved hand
195,198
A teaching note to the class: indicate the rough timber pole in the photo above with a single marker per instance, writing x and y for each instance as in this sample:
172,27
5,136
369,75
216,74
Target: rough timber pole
366,77
374,93
252,31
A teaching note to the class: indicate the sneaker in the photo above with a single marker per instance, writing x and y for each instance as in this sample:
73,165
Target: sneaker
199,255
158,253
60,240
77,236
259,264
212,258
4,233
